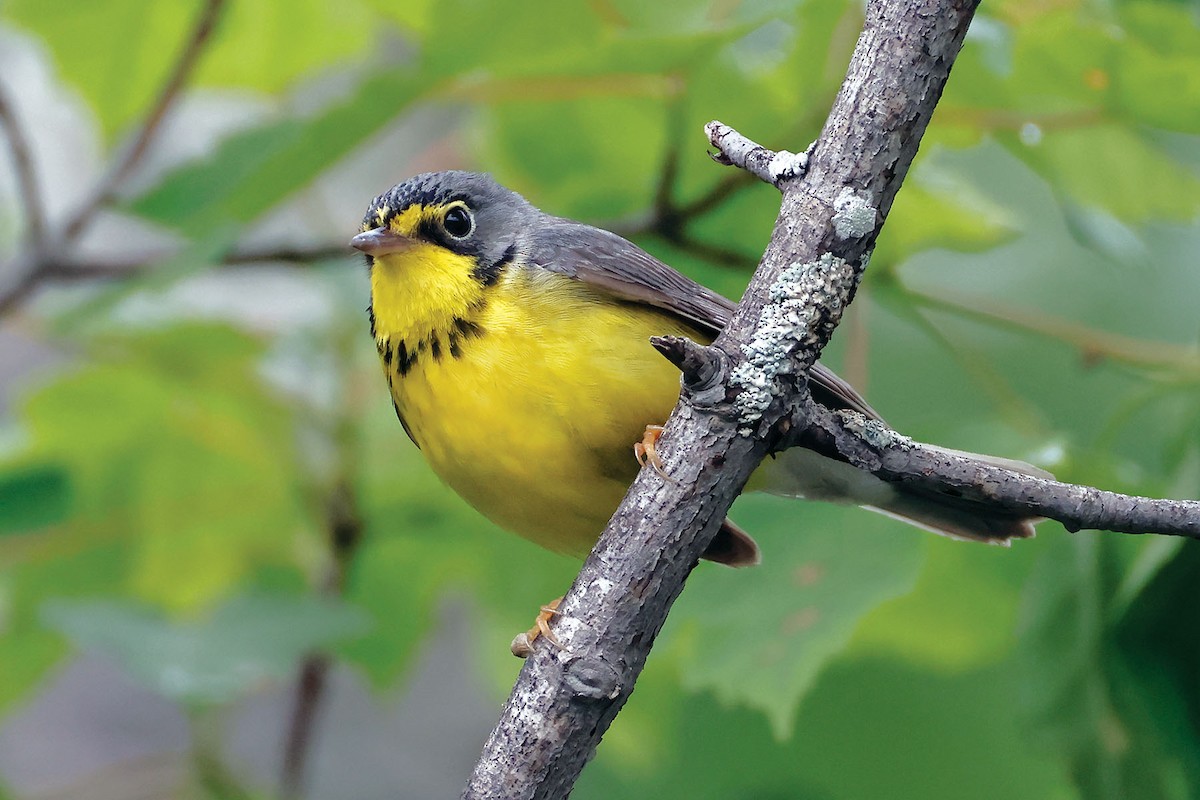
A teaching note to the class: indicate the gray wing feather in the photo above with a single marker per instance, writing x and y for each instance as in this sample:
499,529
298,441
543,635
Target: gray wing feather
615,265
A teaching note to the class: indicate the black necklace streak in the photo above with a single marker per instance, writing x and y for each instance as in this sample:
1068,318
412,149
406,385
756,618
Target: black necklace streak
399,355
488,274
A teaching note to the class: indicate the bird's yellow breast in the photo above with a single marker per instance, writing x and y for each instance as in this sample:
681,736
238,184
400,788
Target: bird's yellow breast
526,396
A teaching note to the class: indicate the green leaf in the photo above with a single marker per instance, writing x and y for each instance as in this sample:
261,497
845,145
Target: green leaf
254,170
1117,731
164,448
962,612
760,637
118,53
936,209
33,496
115,52
268,46
25,656
1159,66
245,641
1116,168
869,728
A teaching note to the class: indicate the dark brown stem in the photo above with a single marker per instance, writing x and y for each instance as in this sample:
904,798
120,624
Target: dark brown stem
344,532
178,78
25,285
713,254
52,267
310,690
27,184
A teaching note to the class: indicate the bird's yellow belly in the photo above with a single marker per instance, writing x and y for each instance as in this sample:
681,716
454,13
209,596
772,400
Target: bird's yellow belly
534,422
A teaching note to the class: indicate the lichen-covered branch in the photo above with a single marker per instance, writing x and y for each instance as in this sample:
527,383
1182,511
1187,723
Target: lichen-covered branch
564,700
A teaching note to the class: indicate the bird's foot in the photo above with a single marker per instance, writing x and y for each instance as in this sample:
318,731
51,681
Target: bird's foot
645,452
522,644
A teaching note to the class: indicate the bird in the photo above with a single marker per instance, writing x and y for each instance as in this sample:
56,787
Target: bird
516,349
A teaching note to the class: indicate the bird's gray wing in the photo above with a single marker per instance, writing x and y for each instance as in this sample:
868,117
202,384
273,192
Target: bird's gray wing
617,266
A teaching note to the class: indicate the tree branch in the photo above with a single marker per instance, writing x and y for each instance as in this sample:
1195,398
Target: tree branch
43,260
53,267
344,534
872,446
732,403
27,184
189,56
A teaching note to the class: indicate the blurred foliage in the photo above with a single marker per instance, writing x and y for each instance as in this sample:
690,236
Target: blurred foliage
165,499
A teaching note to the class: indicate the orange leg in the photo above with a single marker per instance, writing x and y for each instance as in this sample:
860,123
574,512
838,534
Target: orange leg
522,645
645,452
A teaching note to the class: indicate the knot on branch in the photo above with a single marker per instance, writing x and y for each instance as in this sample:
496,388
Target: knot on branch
734,149
592,679
704,368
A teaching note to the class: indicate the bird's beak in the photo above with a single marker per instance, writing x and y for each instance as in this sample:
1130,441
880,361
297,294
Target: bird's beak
380,241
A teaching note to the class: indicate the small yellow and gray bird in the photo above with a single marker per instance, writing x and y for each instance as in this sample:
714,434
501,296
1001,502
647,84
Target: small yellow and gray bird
516,348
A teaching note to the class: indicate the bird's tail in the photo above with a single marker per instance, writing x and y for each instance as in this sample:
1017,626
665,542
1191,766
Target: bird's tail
804,473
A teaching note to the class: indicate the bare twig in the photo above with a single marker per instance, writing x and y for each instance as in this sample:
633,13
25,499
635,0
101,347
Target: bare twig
724,189
56,267
1093,344
714,254
178,78
344,532
24,286
564,700
311,682
872,446
40,264
27,183
773,167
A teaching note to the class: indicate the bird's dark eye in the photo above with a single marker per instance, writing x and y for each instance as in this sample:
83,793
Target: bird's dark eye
458,222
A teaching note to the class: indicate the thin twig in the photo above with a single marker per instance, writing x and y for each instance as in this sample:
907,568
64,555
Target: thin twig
23,167
345,528
56,267
723,190
1092,344
715,254
311,683
24,287
772,166
178,78
872,446
344,531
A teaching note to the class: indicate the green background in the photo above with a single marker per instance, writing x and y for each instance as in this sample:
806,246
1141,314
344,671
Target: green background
167,470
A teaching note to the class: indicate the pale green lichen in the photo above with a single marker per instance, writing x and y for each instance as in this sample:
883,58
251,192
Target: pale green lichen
854,215
800,301
872,431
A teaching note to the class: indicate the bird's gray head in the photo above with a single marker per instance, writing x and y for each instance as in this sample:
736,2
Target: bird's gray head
465,212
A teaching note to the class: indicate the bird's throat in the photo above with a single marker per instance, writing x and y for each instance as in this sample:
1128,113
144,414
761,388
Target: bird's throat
423,300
